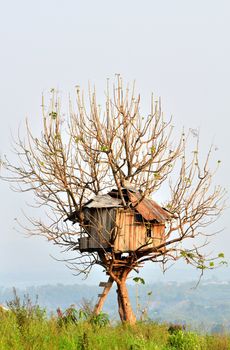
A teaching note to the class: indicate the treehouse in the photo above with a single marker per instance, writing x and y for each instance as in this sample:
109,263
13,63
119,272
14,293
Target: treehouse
109,225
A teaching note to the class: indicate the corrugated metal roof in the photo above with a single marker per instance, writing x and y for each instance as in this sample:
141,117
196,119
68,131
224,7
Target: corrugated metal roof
148,208
104,201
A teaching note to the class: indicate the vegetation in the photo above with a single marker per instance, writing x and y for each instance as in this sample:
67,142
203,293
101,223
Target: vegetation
26,326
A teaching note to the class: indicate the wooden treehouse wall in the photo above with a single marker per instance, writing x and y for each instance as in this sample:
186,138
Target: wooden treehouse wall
100,224
121,228
132,234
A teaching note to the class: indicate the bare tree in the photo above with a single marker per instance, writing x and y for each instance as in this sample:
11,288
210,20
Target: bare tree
97,149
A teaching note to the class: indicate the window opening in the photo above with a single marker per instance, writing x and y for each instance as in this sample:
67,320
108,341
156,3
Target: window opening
148,231
138,218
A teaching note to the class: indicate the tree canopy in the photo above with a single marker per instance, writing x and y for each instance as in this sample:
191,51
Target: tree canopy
98,147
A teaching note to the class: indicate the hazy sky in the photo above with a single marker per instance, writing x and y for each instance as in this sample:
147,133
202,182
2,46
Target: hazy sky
180,50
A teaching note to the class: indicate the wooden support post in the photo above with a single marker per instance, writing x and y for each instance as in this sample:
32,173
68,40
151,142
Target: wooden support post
107,286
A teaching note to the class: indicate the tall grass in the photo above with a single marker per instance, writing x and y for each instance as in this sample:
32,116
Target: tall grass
26,327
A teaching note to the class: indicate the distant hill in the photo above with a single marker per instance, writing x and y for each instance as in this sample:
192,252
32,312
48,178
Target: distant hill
206,307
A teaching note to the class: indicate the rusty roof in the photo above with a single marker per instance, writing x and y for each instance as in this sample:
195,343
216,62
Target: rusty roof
145,206
148,208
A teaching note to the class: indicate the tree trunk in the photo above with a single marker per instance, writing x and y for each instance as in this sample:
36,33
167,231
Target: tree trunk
99,305
124,306
120,307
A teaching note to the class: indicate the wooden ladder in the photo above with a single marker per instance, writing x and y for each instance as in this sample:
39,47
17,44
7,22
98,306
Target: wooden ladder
102,296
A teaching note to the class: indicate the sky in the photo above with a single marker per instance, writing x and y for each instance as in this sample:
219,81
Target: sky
179,50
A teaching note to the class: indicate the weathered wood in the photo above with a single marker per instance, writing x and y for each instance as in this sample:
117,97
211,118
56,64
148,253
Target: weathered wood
99,224
105,284
120,228
148,208
132,235
91,244
103,296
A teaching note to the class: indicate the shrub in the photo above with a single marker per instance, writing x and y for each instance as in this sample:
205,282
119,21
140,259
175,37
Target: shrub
101,320
180,340
84,314
70,315
25,311
174,328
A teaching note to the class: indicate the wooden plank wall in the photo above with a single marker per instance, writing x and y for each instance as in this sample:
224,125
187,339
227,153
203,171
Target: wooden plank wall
158,234
131,235
101,223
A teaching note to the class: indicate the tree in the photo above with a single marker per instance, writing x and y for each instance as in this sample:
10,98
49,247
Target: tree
97,149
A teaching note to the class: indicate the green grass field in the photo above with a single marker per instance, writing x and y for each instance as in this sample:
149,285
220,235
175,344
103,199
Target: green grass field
49,334
27,327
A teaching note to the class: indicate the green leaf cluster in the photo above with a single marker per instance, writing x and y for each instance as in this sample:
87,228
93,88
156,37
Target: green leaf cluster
139,280
53,115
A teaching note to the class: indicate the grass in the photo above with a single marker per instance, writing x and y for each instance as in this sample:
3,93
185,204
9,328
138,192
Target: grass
27,327
50,334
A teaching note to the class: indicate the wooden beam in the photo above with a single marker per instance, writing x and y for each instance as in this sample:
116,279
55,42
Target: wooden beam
105,284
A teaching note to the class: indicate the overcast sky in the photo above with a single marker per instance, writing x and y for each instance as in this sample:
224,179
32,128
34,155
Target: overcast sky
180,50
